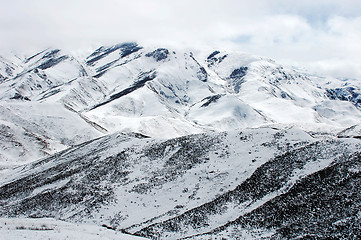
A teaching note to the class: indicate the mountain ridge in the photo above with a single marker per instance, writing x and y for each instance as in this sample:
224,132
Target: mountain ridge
172,144
131,88
177,188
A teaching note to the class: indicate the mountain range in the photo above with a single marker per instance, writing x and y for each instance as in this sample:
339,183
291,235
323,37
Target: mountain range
171,144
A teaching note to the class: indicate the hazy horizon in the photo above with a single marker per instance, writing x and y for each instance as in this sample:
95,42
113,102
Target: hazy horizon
322,36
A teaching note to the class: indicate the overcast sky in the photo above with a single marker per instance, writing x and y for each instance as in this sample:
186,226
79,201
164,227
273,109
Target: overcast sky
322,35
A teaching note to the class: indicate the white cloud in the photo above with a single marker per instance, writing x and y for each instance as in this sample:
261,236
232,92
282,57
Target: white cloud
305,31
342,68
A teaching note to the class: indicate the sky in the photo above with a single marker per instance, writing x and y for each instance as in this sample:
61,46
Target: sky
322,36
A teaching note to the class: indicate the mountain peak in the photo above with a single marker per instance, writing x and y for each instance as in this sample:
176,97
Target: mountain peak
131,88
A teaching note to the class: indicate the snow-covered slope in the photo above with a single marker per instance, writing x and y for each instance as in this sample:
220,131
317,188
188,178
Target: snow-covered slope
167,144
207,184
34,130
162,93
44,229
8,69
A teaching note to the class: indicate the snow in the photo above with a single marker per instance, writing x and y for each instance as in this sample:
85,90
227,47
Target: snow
34,130
151,194
229,112
58,184
338,113
171,105
219,174
47,228
53,122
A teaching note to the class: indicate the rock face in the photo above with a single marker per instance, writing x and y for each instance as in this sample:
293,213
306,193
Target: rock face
258,182
349,94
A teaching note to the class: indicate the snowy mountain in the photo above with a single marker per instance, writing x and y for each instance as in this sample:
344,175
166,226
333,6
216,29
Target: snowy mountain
168,144
61,99
254,182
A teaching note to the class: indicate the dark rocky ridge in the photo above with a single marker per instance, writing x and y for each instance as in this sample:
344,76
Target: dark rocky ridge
211,99
125,49
237,77
350,94
212,59
143,78
158,54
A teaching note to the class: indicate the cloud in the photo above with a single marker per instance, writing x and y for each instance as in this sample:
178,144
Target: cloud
341,68
305,31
